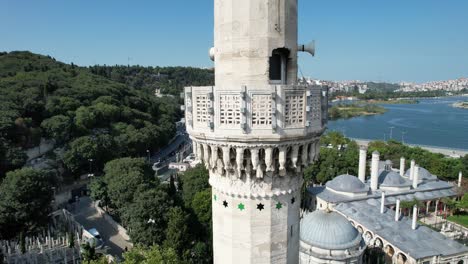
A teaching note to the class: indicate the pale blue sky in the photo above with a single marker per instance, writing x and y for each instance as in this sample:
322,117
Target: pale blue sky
410,40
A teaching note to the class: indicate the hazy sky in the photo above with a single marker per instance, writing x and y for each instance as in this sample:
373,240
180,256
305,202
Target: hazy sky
410,40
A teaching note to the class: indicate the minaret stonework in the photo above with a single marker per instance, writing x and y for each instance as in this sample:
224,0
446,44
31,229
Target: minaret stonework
255,131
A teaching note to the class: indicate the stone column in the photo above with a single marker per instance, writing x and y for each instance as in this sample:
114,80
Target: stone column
415,217
412,169
375,170
397,210
402,166
416,176
362,163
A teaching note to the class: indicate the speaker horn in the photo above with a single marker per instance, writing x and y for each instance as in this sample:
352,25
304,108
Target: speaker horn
310,48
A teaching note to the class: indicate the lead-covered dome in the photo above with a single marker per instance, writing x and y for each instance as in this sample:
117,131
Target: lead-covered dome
392,179
328,230
423,174
347,183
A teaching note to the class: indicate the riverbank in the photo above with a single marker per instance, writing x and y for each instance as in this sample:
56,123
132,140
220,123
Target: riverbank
393,101
450,152
345,111
462,105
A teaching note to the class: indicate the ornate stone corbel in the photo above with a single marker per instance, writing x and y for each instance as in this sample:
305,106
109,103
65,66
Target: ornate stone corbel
214,156
255,157
248,168
206,155
317,150
282,160
227,158
239,161
269,159
199,151
219,167
304,155
295,155
311,152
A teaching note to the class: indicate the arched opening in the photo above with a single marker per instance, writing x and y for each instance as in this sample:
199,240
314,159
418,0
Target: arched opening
359,228
368,237
389,252
460,262
401,258
374,255
378,243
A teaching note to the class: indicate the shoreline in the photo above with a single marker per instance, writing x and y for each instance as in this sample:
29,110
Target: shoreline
447,151
461,105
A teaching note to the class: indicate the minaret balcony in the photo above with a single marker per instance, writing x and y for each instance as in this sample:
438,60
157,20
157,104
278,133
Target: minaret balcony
267,113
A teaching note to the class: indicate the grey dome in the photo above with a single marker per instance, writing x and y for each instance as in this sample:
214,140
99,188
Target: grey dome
391,179
347,183
423,174
328,230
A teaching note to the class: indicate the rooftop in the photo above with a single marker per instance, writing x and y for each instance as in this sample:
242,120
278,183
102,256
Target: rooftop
420,243
328,230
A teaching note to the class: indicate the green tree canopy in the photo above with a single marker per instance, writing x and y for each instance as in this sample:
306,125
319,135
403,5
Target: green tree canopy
25,197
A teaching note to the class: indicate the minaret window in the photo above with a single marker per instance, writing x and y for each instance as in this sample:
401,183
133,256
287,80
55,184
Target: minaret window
279,66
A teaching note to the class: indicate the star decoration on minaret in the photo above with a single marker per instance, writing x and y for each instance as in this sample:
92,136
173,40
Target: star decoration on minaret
215,197
293,200
279,205
241,206
225,204
260,206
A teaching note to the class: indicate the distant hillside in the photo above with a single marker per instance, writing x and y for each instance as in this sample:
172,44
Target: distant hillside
170,80
88,112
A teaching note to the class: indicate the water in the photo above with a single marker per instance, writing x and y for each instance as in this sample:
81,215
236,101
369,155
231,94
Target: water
432,122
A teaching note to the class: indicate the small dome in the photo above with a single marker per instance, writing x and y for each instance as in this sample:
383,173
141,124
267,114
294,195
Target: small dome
328,230
391,178
422,175
346,183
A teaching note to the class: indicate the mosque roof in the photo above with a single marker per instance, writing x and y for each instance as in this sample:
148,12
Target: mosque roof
419,243
425,191
347,183
392,179
423,174
328,230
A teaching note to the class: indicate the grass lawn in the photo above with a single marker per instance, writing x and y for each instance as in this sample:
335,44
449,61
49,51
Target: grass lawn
459,219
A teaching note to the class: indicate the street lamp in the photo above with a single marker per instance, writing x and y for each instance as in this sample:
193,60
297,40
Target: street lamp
391,132
148,152
403,136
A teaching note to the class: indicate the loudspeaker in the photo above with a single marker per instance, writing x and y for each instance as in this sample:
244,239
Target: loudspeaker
310,48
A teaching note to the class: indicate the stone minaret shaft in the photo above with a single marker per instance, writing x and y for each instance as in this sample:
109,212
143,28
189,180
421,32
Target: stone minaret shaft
255,131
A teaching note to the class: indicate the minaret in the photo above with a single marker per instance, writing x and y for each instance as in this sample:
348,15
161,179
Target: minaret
255,131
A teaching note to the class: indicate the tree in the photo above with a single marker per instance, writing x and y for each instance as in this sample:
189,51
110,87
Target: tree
57,127
98,188
177,232
201,205
153,255
193,181
146,216
25,197
450,204
81,151
463,203
89,253
127,177
200,254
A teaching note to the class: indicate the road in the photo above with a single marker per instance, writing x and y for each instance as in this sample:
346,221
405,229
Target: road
89,217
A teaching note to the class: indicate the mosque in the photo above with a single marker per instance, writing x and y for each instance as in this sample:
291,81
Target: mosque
258,128
350,214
